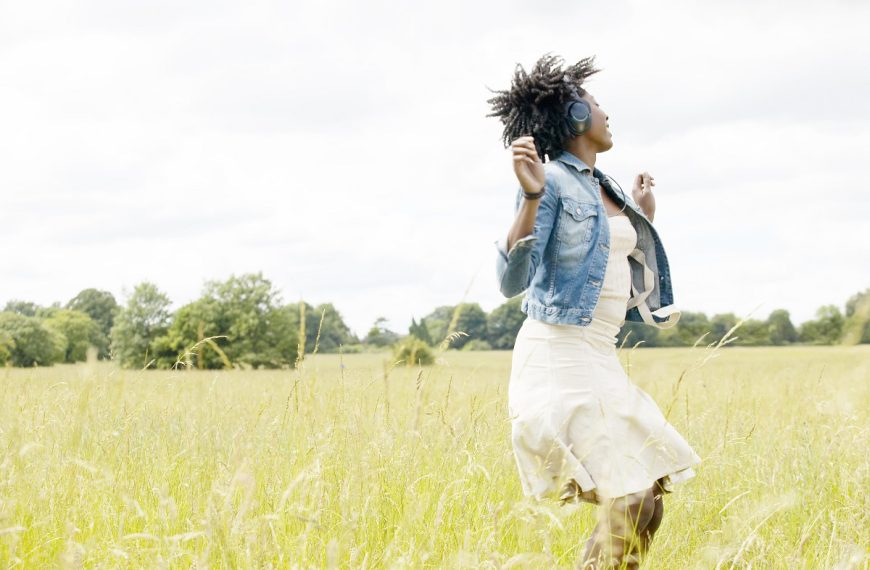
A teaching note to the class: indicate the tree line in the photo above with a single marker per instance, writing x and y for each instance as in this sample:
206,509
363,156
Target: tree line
242,322
498,329
239,322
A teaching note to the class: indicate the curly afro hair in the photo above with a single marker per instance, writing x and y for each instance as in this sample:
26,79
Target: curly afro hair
534,105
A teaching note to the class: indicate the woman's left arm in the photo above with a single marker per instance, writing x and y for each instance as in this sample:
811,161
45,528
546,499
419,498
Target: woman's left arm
642,194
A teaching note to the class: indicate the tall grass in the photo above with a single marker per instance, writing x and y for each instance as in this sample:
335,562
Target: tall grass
351,461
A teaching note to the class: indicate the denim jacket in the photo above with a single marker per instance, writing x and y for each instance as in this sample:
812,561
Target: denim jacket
561,264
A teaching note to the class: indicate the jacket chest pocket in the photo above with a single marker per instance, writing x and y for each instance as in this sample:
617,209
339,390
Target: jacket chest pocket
578,220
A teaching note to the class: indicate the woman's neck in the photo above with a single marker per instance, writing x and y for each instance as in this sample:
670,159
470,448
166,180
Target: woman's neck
581,148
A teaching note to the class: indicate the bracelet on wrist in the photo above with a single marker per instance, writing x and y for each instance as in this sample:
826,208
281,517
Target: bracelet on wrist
533,195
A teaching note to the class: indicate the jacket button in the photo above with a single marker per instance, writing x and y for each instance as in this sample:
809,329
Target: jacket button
579,211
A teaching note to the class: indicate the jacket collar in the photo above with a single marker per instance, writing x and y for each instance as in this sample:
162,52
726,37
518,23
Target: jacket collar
566,157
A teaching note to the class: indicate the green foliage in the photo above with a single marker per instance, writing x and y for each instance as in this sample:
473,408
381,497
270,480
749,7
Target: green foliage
504,322
720,324
470,319
246,311
26,342
23,308
696,327
139,323
634,333
856,328
437,322
420,331
241,320
379,335
753,332
467,318
7,345
334,332
780,329
477,344
258,333
190,324
323,320
826,329
412,351
80,333
691,326
102,308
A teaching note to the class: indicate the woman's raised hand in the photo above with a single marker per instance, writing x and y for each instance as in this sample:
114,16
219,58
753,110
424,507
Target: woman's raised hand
642,193
527,165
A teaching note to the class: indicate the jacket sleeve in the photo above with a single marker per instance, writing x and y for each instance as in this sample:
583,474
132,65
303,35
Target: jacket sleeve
516,268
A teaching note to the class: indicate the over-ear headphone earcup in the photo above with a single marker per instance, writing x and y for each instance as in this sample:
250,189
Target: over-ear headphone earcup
578,116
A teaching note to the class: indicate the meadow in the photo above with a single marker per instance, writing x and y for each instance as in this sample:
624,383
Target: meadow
352,461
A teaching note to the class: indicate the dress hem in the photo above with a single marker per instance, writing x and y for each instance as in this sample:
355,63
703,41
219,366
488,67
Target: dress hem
572,491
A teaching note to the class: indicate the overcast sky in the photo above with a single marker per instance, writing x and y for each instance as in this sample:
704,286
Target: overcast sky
342,148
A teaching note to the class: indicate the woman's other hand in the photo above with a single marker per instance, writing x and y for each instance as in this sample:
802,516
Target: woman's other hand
642,194
527,164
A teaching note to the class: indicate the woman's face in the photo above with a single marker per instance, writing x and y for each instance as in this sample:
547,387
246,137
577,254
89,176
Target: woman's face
599,132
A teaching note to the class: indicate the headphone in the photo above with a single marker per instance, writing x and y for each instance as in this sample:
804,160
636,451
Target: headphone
578,116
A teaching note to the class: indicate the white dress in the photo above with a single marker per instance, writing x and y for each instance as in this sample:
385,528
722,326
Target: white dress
577,419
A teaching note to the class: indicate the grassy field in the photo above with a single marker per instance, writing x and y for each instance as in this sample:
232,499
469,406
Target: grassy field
351,462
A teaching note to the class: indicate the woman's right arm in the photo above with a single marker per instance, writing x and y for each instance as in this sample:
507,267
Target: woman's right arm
521,252
530,172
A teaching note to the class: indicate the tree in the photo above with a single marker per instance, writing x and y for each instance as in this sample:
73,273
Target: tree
826,329
7,345
691,327
80,332
256,330
294,313
780,328
753,332
504,322
634,333
856,328
380,335
191,324
28,342
138,324
720,324
437,322
467,318
476,344
419,331
102,308
333,331
246,310
24,308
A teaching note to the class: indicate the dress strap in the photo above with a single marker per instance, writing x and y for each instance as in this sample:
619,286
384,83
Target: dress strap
638,299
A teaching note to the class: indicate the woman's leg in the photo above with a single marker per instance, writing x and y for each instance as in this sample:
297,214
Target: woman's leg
615,538
647,534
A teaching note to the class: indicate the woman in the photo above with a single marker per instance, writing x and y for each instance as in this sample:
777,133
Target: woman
589,259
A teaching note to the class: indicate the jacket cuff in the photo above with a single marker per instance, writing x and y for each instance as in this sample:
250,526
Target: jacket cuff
521,246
